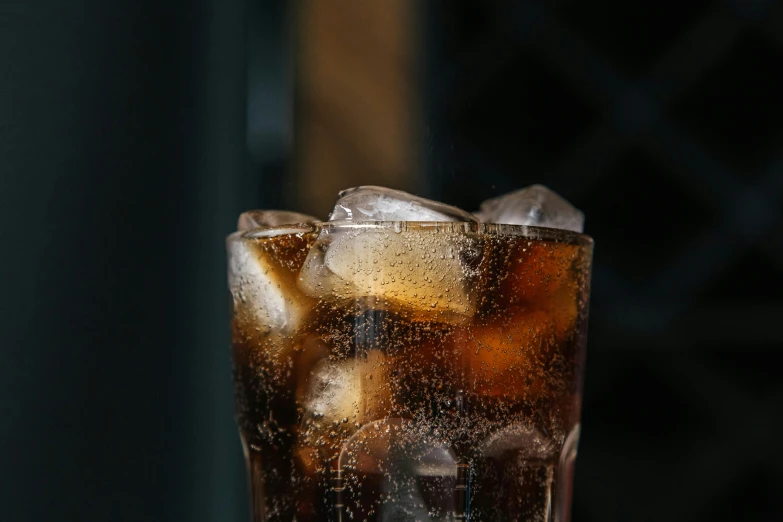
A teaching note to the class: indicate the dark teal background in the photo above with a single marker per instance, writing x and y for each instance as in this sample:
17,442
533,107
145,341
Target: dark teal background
121,169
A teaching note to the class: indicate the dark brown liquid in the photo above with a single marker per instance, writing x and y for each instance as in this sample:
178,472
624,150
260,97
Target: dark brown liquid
361,406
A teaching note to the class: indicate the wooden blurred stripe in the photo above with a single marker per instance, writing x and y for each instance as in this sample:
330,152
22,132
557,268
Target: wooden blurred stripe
358,98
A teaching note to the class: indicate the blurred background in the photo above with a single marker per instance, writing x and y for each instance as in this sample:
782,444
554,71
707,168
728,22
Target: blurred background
133,132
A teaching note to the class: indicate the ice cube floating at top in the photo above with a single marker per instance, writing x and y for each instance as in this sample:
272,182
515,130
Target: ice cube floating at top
427,274
369,203
531,206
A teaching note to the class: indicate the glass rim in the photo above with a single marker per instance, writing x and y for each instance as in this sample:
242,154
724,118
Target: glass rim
464,227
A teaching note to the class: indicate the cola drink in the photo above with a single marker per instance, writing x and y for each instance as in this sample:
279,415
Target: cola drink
409,371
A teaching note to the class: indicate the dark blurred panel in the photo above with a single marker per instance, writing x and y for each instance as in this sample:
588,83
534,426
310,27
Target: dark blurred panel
122,168
663,124
270,99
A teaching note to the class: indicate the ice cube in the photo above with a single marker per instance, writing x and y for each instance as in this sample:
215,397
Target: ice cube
337,397
271,218
524,439
517,355
533,206
397,443
411,464
264,295
349,390
426,273
334,390
370,203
